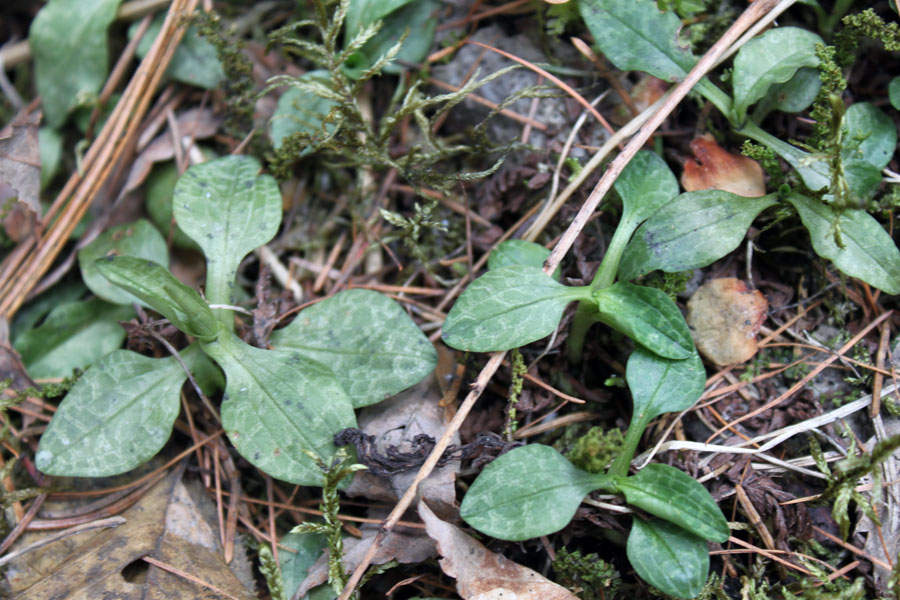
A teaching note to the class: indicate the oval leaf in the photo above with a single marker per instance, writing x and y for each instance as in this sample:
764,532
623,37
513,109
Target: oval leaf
646,184
155,286
792,96
646,315
692,231
277,404
300,110
117,417
769,59
368,340
636,36
526,493
68,41
869,138
73,336
229,210
520,252
507,308
195,61
677,497
659,385
668,557
869,252
139,239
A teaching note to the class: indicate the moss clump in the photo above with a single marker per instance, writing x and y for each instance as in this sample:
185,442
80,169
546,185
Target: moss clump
586,575
596,449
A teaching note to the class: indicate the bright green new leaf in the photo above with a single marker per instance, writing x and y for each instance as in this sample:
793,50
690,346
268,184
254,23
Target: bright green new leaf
68,42
869,253
668,557
277,404
507,308
526,493
229,210
416,21
368,340
677,497
195,61
635,36
792,96
300,110
646,315
659,385
308,547
645,185
117,417
692,231
365,12
520,252
769,59
894,92
869,139
139,239
72,336
159,290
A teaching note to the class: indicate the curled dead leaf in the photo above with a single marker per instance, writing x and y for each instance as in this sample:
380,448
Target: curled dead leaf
720,170
481,574
645,92
724,316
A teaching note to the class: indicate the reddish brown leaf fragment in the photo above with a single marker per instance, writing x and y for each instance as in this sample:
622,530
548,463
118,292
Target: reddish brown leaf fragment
725,316
720,170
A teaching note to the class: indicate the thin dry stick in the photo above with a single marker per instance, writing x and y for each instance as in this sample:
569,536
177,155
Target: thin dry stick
753,13
102,523
186,575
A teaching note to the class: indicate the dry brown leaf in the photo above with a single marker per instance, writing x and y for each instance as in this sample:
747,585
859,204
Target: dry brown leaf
481,574
645,92
164,525
396,422
720,170
724,317
20,175
195,123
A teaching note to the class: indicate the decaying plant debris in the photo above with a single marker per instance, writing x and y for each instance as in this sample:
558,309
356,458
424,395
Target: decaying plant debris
373,296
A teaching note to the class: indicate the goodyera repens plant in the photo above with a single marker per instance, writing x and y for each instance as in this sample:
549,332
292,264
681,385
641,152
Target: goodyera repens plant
280,406
533,490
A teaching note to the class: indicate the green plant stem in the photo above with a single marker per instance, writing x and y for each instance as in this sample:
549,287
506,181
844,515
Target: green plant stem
636,429
218,291
718,98
584,318
810,168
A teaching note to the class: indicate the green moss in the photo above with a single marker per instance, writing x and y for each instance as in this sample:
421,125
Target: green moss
586,575
596,449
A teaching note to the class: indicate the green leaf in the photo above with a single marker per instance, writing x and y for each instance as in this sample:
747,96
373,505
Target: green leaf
68,42
229,210
769,59
677,497
635,36
667,557
869,252
645,185
659,385
72,336
646,315
156,287
368,340
507,308
117,417
139,239
869,138
159,191
520,252
417,21
195,61
308,547
526,493
792,96
277,404
692,231
894,92
69,290
300,110
51,144
365,12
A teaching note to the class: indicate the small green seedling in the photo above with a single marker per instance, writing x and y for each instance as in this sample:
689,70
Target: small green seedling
774,71
534,491
348,351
